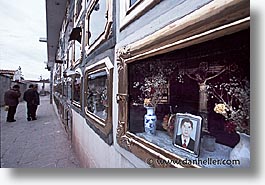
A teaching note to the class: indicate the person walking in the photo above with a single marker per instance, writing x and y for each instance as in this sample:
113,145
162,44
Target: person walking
36,100
30,97
11,100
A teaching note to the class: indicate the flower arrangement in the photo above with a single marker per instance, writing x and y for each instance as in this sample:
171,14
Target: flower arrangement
233,103
152,89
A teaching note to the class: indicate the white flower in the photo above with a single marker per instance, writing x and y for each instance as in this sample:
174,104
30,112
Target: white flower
233,102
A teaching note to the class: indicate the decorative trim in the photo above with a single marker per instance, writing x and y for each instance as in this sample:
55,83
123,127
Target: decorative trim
122,53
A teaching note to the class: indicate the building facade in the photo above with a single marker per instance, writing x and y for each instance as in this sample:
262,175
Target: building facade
111,60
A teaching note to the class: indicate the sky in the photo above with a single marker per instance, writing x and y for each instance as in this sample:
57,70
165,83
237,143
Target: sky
22,23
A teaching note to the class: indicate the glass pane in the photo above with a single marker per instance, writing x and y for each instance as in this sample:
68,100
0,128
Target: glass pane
69,89
210,79
78,50
132,2
65,89
77,89
97,20
97,100
78,7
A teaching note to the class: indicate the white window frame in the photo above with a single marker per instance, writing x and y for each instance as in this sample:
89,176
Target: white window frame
129,14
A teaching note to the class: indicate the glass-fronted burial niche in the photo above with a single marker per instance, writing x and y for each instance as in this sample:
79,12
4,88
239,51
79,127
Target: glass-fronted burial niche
210,80
97,99
97,20
77,89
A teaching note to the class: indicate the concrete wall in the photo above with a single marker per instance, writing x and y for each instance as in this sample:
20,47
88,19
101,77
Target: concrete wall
93,152
158,17
5,83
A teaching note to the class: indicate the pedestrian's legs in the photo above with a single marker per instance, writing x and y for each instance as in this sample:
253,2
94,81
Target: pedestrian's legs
32,112
35,110
11,113
28,113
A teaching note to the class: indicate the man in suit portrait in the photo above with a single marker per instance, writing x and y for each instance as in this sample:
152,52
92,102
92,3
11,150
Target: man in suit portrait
184,140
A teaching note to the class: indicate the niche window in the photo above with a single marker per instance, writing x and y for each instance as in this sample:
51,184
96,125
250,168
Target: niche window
179,80
67,88
98,98
99,21
78,8
131,10
76,99
132,2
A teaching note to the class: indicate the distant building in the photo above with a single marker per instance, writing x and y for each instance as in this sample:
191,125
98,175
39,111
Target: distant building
7,73
5,82
15,75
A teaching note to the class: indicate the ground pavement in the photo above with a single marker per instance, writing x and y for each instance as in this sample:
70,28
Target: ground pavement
42,143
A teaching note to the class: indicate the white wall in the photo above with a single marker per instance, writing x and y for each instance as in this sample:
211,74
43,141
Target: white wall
92,151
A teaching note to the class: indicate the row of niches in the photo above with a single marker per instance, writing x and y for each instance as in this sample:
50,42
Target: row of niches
197,80
209,80
96,94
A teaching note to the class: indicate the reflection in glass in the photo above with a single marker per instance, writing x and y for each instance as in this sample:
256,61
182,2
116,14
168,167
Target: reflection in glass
78,50
67,87
132,2
76,95
78,7
69,93
97,94
97,21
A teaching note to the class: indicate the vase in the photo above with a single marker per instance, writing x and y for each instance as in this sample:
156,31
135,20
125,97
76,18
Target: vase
241,152
150,120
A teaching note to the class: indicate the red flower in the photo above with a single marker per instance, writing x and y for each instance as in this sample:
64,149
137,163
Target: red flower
230,127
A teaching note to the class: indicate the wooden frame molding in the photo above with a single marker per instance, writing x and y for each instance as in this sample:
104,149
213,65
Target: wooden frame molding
213,20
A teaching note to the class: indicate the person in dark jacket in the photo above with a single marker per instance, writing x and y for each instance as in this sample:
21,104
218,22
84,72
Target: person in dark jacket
11,100
184,140
30,97
36,100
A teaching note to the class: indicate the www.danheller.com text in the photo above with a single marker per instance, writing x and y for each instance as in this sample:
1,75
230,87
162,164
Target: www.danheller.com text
203,162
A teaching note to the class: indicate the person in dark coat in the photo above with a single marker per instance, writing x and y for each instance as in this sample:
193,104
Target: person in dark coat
30,97
11,100
36,100
184,140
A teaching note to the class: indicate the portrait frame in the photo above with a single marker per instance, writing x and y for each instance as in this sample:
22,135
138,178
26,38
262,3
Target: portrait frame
193,147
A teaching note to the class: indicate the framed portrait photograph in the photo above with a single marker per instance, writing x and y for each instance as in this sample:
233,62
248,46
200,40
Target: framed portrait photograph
187,132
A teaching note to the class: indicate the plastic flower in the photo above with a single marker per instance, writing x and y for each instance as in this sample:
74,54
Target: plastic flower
233,103
147,102
220,109
152,89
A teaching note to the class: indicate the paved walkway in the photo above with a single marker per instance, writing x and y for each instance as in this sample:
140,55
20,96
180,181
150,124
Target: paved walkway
41,143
